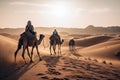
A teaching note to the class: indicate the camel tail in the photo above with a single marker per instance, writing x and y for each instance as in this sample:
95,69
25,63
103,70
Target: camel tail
20,43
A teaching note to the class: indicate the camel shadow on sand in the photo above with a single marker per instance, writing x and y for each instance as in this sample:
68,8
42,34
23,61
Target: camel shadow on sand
75,52
16,71
51,61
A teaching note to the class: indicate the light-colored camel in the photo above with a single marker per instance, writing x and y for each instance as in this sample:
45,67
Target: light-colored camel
55,41
29,41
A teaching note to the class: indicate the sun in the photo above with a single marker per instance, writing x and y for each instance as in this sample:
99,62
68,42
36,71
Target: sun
59,13
60,10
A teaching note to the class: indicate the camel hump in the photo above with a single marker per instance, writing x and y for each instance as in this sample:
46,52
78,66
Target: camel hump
55,37
28,33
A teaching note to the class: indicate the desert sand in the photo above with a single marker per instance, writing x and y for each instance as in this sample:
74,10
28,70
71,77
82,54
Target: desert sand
92,59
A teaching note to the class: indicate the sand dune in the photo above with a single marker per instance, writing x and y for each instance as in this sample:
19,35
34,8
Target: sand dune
89,41
10,36
62,68
7,48
103,51
86,40
108,47
81,61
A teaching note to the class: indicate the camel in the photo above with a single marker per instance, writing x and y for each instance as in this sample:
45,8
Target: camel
55,41
71,44
26,42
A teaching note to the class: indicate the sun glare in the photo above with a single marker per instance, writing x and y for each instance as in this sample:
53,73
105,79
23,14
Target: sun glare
60,10
58,13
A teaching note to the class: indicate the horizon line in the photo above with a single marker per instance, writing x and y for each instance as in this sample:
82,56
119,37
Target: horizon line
58,27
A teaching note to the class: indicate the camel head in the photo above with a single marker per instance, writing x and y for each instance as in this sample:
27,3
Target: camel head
62,41
42,36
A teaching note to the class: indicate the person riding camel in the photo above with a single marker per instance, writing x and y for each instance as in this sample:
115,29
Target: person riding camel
30,28
56,35
55,32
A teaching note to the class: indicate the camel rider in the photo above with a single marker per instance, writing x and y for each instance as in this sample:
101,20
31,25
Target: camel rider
55,34
30,28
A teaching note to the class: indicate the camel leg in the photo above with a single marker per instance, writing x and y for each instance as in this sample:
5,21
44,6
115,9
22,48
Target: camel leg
70,48
50,50
54,48
38,53
15,54
18,48
23,54
32,54
28,52
74,47
60,49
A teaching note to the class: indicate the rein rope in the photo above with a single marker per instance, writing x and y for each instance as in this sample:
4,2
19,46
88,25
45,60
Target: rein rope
44,45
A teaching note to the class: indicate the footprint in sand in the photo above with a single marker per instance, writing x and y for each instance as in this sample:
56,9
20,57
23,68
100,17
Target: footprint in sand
95,60
104,62
66,69
66,63
40,74
81,77
45,77
110,63
60,79
53,71
48,65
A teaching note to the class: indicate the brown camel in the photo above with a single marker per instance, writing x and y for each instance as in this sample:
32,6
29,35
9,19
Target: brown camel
71,44
55,41
28,41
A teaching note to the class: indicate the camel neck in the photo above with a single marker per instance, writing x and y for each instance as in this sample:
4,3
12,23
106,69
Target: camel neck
39,41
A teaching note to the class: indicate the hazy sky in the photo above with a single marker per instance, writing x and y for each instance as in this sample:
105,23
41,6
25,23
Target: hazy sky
59,13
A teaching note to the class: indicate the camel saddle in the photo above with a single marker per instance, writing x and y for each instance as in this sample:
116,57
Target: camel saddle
27,34
55,37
